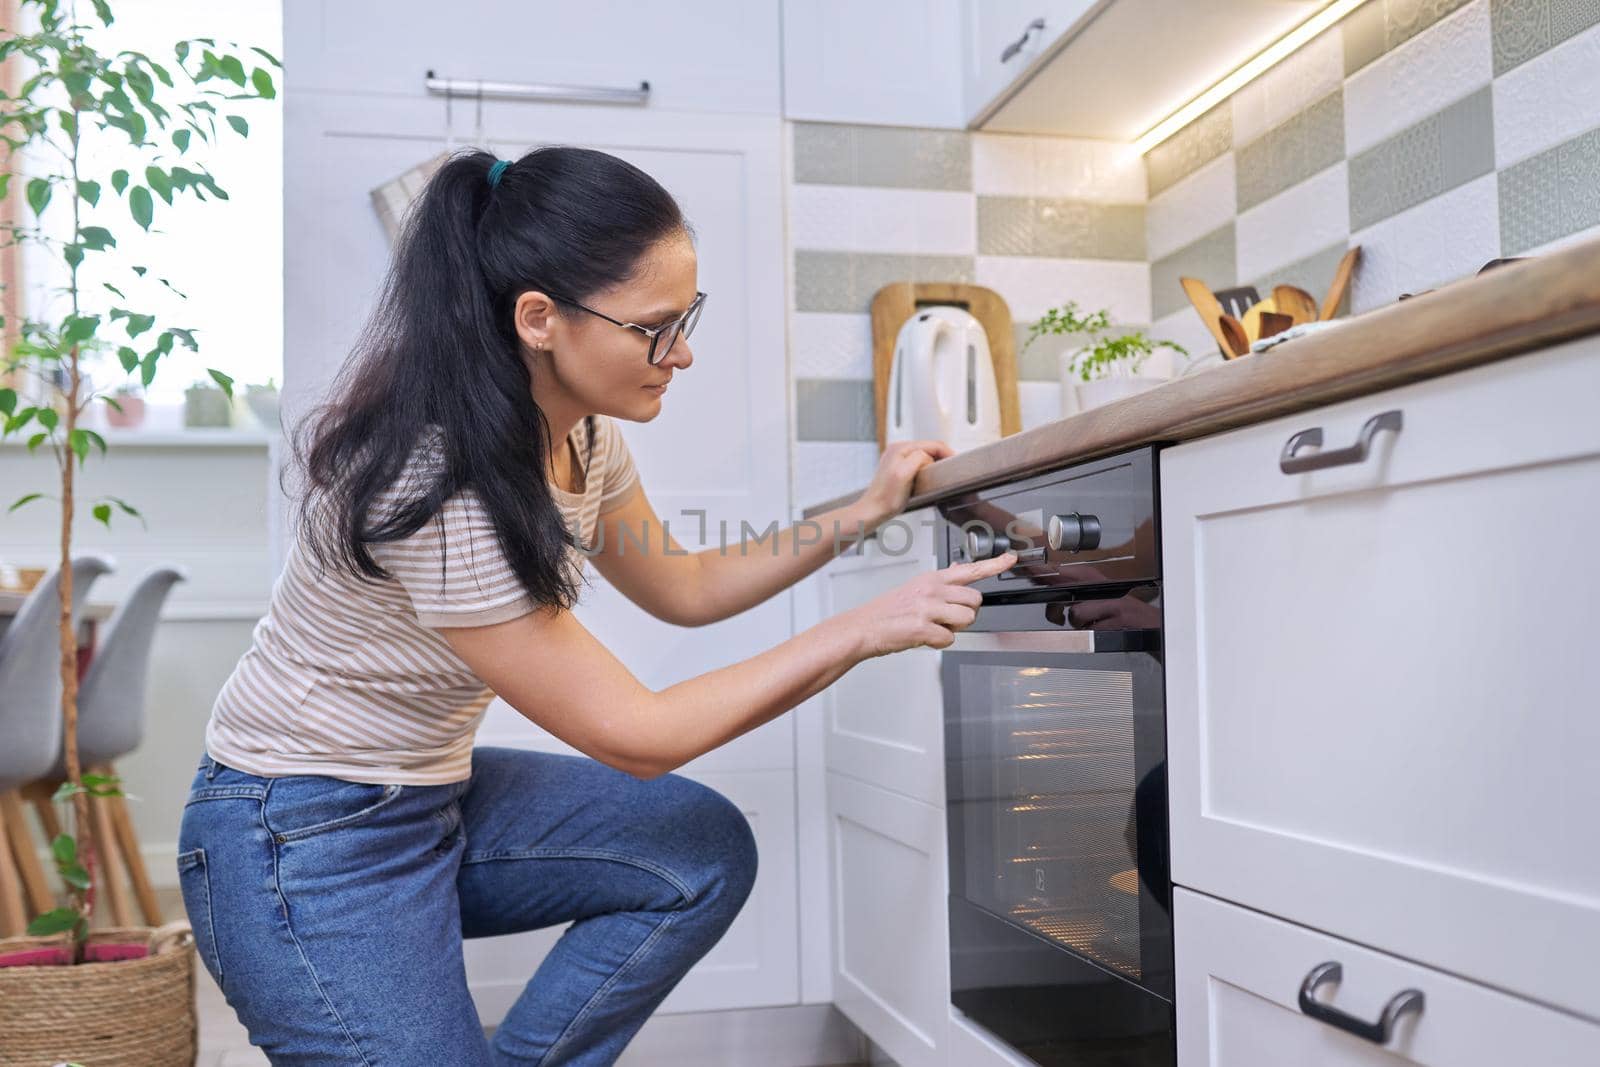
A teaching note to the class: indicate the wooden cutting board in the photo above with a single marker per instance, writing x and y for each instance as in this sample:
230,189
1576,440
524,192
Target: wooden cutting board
896,302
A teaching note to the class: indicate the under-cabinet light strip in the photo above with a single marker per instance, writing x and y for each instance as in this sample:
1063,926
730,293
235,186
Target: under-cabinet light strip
1231,84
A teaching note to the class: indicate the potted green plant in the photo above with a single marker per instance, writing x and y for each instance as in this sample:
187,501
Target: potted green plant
207,405
125,406
68,86
1105,365
263,403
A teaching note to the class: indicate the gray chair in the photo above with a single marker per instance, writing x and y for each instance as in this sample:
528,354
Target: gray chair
111,718
111,702
30,722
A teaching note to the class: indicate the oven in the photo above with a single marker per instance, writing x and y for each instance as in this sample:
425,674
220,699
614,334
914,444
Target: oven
1055,748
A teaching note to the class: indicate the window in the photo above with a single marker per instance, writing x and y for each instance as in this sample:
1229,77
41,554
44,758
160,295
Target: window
227,256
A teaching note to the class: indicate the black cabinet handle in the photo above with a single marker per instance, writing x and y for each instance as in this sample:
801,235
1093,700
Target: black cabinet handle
1016,46
1291,463
1407,1000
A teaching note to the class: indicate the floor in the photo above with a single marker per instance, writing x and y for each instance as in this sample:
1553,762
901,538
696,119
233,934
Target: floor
224,1042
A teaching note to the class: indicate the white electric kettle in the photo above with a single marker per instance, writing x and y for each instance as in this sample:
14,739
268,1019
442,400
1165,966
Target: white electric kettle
941,384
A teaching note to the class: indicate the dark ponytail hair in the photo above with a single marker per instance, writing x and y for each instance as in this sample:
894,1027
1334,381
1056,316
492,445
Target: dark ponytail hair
441,350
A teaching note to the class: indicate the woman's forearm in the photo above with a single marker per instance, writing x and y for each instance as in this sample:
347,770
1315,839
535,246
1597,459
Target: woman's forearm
738,577
692,717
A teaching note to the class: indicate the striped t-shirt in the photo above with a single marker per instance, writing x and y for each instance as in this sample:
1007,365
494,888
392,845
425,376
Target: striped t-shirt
348,677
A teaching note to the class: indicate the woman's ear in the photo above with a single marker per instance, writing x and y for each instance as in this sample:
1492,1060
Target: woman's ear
535,317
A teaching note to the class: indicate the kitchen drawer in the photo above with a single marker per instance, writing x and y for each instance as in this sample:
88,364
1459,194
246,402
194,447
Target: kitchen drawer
884,719
1239,979
1382,680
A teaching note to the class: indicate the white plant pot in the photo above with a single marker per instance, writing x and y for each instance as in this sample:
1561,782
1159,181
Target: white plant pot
205,407
1078,395
263,404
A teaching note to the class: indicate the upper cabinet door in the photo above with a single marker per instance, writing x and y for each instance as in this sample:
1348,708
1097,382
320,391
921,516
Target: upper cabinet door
891,62
1108,70
1007,39
702,55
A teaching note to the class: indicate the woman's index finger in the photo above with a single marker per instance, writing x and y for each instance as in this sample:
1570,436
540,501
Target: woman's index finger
966,573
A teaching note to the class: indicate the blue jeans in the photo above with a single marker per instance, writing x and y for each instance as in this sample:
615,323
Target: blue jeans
331,913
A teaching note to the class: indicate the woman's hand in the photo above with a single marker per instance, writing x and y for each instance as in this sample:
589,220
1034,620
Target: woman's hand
898,467
927,610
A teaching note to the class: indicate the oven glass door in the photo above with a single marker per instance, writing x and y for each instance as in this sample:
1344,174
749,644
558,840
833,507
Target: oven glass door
1057,809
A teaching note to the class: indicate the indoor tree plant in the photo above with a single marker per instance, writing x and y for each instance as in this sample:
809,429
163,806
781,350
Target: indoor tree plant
1106,365
69,87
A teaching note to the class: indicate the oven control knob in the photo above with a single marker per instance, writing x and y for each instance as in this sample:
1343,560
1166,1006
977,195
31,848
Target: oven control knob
1072,533
983,544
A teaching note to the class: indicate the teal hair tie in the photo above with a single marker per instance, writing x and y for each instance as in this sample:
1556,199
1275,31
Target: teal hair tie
498,169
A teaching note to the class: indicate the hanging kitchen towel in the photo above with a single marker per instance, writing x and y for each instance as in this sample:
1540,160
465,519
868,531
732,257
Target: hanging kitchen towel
394,197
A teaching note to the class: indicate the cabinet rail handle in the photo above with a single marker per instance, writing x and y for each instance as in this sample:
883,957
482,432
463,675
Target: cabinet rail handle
1407,1000
1037,25
1291,463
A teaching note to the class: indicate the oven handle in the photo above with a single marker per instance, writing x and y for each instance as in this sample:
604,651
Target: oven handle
1025,641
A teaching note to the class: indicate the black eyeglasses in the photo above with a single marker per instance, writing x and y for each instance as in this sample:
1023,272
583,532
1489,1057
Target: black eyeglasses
682,326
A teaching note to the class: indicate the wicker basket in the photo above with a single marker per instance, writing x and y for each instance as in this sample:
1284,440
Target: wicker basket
131,1013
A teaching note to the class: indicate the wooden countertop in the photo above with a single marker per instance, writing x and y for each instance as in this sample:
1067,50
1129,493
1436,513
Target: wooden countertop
1511,309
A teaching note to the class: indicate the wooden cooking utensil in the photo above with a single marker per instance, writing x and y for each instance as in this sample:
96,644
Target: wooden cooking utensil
1205,302
1295,302
1238,341
1237,301
1341,281
1251,319
1274,323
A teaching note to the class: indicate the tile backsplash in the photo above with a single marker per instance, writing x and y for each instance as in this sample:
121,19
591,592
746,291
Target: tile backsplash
1436,134
1040,220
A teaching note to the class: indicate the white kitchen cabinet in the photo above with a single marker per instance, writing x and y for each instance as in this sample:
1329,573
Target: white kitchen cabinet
1109,70
1239,979
884,720
700,55
881,723
883,737
890,62
704,448
1007,40
890,933
1381,676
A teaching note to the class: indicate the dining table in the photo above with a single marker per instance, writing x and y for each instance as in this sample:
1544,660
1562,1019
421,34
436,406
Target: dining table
90,618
